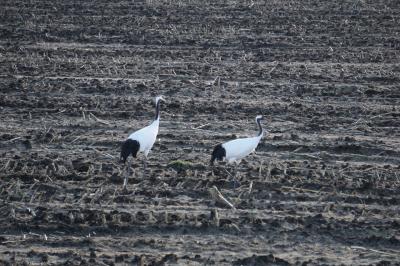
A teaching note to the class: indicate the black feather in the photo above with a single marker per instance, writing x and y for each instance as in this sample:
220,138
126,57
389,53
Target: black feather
130,146
219,153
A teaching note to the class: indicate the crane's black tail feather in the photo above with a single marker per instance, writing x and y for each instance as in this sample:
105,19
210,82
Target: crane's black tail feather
218,153
130,146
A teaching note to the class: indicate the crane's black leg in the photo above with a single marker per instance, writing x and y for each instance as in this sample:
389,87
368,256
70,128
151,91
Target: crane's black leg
232,177
145,163
236,182
127,174
144,166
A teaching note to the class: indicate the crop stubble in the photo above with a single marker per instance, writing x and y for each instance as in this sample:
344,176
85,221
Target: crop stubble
76,78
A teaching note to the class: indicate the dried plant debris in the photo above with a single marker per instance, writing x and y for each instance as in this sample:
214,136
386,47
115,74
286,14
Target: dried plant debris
323,187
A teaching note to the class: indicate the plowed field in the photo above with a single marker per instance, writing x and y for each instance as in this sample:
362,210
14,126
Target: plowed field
76,77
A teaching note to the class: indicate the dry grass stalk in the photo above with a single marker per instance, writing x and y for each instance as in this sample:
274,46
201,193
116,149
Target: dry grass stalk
305,190
6,165
268,176
103,153
215,217
200,127
99,120
273,68
11,140
227,172
217,196
250,187
377,251
75,139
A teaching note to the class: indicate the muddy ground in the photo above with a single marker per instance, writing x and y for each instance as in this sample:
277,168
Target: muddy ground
323,187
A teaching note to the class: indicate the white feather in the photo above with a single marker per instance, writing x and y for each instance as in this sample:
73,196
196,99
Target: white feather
146,136
237,149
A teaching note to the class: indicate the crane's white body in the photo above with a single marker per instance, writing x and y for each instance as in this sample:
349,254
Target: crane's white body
146,136
237,149
141,141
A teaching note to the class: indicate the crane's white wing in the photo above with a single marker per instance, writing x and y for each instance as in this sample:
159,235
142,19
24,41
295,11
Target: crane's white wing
237,149
146,136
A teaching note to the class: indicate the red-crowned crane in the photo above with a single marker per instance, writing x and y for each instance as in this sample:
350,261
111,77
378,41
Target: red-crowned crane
141,140
235,150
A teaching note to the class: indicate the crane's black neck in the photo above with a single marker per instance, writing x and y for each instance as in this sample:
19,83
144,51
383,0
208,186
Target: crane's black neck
260,131
157,111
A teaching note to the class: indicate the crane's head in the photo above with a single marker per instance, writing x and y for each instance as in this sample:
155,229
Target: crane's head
259,118
159,98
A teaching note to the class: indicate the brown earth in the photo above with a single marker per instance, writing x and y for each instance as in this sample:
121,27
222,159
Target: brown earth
322,188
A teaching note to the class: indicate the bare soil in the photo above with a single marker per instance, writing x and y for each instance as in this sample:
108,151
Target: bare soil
76,77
